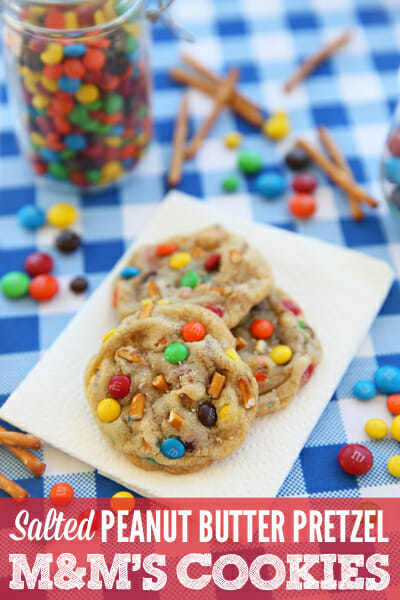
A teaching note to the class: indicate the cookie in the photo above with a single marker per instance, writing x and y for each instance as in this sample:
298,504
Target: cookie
280,347
168,389
211,267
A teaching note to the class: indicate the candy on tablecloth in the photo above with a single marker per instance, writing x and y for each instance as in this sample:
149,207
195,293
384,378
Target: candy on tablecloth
304,183
395,428
61,494
364,389
270,185
31,216
68,241
250,161
387,379
78,284
37,263
297,160
376,428
15,284
43,287
277,126
302,206
233,139
393,465
393,404
61,214
230,183
355,459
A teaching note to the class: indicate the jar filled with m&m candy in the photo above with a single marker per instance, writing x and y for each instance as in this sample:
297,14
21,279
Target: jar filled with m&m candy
79,86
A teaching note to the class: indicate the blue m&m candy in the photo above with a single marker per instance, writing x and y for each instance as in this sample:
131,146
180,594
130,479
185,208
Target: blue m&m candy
364,389
129,272
387,379
392,170
31,216
48,154
173,448
270,185
75,50
75,141
69,84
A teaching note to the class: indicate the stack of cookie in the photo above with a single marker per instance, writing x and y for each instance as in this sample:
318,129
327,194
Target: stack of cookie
206,343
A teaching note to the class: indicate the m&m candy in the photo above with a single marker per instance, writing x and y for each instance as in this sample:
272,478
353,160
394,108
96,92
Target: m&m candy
393,404
376,428
129,272
270,185
207,414
119,386
179,260
230,183
108,410
393,465
302,206
194,331
250,162
61,215
395,428
304,183
173,448
61,494
190,279
31,216
212,261
297,159
122,501
233,139
15,284
281,354
277,126
68,241
43,287
387,379
78,284
261,329
355,459
166,249
37,263
176,353
364,389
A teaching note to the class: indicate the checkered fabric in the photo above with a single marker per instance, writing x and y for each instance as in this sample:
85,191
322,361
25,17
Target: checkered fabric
353,94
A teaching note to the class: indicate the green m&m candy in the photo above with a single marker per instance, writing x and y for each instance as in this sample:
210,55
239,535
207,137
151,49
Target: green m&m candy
58,170
190,279
230,183
15,284
113,104
250,161
176,353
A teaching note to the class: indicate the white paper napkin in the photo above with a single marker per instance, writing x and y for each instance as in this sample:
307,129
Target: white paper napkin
340,291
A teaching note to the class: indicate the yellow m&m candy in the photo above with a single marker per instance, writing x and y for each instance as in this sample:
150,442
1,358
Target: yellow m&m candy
53,54
233,139
179,260
281,354
376,428
395,428
61,215
393,465
87,93
109,410
122,501
277,126
224,412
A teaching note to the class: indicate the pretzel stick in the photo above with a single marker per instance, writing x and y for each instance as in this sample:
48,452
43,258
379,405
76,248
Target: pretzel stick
22,440
11,488
237,103
178,145
336,155
248,105
336,174
314,60
32,463
222,97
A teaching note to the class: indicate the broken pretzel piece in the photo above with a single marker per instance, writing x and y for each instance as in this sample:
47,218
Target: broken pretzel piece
136,410
246,390
129,355
175,420
146,310
160,383
216,385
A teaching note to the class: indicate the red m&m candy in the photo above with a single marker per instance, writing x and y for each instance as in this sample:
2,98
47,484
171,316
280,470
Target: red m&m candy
61,494
212,261
289,305
355,459
43,287
194,331
304,183
37,263
216,309
261,329
302,205
119,386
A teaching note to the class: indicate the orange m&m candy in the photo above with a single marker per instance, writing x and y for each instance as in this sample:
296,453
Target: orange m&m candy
74,68
302,205
393,404
166,249
261,329
43,287
122,501
61,494
194,331
94,59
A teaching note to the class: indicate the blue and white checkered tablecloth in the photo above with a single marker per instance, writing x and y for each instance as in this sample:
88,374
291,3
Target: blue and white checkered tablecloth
353,94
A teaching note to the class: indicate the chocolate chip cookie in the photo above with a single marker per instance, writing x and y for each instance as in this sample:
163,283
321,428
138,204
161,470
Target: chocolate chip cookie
168,389
282,350
212,267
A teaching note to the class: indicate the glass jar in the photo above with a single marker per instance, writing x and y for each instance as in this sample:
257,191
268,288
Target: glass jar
391,164
79,86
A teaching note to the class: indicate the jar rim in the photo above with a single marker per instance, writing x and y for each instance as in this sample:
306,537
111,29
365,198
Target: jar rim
69,33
